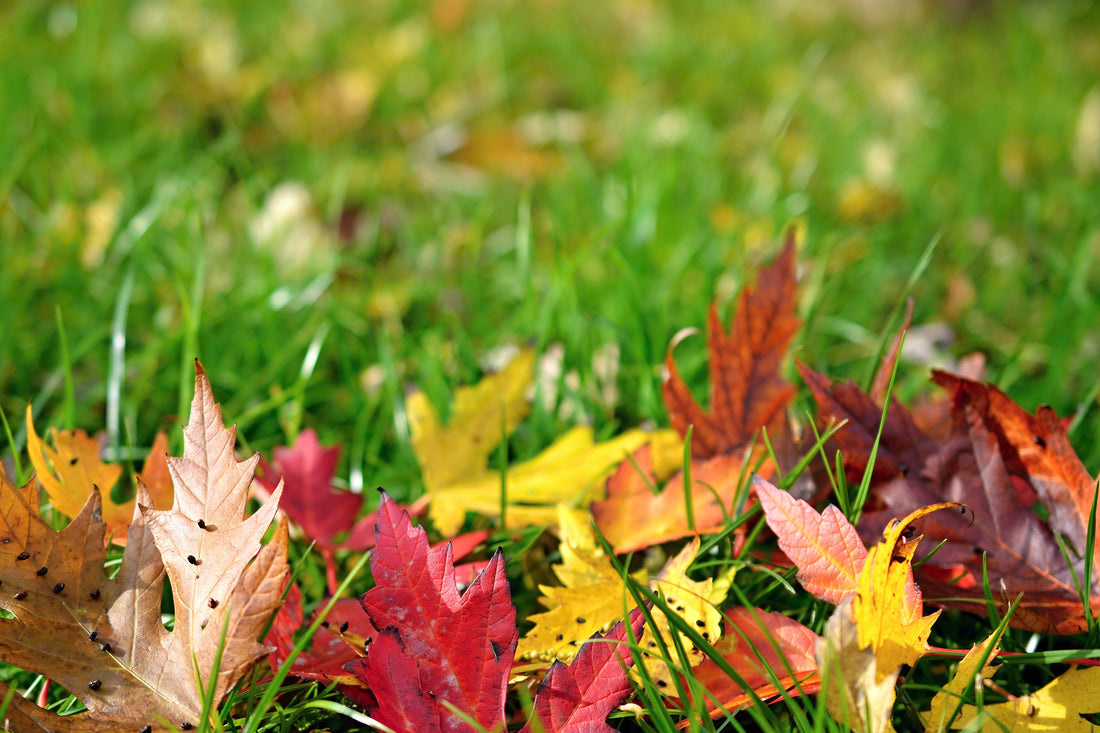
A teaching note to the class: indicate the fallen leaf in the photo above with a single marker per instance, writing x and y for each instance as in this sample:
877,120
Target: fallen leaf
569,471
948,702
333,646
825,547
309,499
773,654
748,394
73,624
432,645
593,596
1057,706
69,471
577,698
859,691
747,390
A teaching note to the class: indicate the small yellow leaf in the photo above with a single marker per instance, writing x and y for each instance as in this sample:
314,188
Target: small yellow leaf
887,607
693,601
1057,706
946,701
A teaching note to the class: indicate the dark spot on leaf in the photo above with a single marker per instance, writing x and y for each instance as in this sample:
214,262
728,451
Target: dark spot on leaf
192,559
186,726
23,555
662,683
202,524
94,594
42,571
105,647
903,470
20,595
700,623
5,541
93,635
651,644
670,600
73,461
706,635
1040,442
212,603
897,558
580,619
559,637
146,729
94,684
344,627
325,623
59,587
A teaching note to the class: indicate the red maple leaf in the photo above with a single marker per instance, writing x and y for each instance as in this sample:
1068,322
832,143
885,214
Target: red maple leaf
309,499
576,698
329,650
432,644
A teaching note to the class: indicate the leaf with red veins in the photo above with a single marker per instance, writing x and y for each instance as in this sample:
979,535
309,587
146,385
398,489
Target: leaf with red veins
825,546
440,645
577,698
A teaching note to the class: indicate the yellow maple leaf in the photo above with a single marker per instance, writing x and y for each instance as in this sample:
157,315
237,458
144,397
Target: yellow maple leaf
876,630
1058,705
695,602
455,458
887,607
593,596
72,467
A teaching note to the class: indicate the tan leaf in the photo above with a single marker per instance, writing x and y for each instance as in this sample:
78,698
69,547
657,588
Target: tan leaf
102,638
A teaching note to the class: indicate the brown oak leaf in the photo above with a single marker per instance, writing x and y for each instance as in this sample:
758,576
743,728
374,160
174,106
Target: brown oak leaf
102,638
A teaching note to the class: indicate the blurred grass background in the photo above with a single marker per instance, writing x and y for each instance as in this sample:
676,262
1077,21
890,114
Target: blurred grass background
328,201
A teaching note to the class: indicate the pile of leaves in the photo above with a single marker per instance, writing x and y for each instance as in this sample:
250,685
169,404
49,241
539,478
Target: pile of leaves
637,547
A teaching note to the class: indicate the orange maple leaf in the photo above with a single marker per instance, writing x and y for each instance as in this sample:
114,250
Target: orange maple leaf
748,394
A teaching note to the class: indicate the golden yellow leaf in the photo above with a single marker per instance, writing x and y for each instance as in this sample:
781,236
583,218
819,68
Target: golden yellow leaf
887,607
693,601
455,458
1056,706
593,596
946,701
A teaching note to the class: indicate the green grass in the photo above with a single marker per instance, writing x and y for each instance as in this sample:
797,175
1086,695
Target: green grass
682,139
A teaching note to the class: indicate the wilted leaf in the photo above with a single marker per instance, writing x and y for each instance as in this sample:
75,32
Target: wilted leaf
102,638
859,691
577,698
432,645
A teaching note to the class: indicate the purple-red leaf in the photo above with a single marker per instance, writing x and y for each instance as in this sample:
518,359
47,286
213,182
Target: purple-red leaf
436,645
576,698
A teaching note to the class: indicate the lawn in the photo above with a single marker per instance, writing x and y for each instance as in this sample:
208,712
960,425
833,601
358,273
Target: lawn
328,204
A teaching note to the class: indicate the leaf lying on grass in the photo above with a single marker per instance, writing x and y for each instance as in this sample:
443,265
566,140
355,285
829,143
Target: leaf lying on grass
430,646
748,395
72,468
103,639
